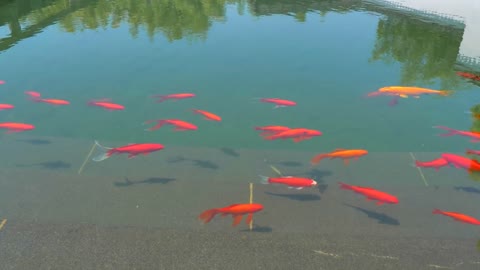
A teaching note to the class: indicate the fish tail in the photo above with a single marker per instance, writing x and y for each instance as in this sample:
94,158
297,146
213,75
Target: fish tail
446,93
316,159
264,179
436,211
159,124
161,98
104,152
343,185
208,215
450,132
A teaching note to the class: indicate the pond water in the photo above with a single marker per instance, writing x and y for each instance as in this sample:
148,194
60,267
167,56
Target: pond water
326,56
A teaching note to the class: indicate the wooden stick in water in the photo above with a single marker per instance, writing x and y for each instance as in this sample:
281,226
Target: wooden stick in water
419,170
3,223
86,159
251,201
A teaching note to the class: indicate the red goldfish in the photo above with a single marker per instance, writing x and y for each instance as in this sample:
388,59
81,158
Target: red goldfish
236,210
106,104
270,130
290,181
179,124
6,107
469,75
436,163
132,150
475,136
208,115
345,154
458,216
16,127
297,134
33,94
461,162
174,96
371,194
279,102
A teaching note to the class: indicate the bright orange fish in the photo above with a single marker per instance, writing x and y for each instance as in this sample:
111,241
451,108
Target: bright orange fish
461,162
236,210
270,130
106,104
345,154
371,194
290,181
475,136
52,101
208,115
132,150
6,107
297,134
458,216
174,96
179,124
279,102
405,91
16,127
436,163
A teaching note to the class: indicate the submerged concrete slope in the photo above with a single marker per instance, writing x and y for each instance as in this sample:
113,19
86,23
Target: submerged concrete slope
454,11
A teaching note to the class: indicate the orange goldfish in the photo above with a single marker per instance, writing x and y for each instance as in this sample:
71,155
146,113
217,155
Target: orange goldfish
208,115
180,125
436,163
458,216
236,210
16,127
461,162
33,94
106,104
297,134
132,150
371,194
475,136
269,130
52,101
290,181
174,96
279,102
6,107
405,91
345,154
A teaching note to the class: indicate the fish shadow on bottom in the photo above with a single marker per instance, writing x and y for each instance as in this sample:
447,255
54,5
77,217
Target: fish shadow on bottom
52,165
35,141
296,197
151,180
259,228
317,174
381,218
468,189
206,164
229,152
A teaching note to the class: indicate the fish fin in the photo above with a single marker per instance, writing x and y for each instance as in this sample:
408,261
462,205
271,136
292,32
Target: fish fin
132,155
249,218
299,139
316,159
403,96
437,211
180,129
475,141
339,149
379,203
10,131
264,179
224,214
290,187
346,161
236,220
104,152
393,102
299,188
207,215
446,93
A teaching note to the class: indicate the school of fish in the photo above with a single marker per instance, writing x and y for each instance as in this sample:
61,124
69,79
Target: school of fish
277,132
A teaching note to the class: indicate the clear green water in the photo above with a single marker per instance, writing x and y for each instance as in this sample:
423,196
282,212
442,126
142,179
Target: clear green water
228,54
325,55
